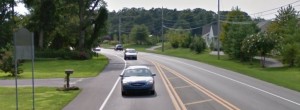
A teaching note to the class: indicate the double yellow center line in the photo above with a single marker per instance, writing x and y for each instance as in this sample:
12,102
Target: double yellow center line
178,104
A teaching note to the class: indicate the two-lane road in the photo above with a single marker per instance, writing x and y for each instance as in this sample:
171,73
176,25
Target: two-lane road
241,91
180,84
194,85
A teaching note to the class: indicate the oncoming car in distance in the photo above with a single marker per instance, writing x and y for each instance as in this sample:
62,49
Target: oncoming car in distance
118,47
130,54
137,79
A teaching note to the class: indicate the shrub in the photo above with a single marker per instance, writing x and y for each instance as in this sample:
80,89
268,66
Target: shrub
65,54
7,64
175,44
198,45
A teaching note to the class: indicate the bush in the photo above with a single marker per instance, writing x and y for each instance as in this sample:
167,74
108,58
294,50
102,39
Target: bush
175,44
7,64
289,54
65,54
198,45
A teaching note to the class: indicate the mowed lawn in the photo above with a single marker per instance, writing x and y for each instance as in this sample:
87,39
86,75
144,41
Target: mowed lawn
283,76
56,68
46,98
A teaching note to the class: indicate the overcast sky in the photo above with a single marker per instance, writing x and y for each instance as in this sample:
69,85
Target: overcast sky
249,6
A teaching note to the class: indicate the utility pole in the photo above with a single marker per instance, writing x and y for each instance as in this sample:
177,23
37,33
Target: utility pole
119,29
162,29
15,60
218,30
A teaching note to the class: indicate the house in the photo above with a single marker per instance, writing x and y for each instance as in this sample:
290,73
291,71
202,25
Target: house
210,34
263,25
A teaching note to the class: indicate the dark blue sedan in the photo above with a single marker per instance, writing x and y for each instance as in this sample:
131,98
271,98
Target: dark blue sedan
137,79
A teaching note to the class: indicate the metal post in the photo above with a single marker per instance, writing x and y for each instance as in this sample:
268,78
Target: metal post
162,29
218,40
32,69
15,56
119,30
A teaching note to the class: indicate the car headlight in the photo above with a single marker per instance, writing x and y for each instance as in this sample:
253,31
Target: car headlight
125,82
150,82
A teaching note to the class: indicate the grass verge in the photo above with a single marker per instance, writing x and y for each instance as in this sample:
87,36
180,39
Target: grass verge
46,98
56,68
283,76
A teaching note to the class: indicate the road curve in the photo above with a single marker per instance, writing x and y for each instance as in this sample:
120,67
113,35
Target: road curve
180,85
244,92
182,82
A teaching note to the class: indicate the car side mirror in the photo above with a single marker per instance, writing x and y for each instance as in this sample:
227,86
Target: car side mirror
153,74
121,75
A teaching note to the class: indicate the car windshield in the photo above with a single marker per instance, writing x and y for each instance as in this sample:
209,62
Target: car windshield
131,51
137,72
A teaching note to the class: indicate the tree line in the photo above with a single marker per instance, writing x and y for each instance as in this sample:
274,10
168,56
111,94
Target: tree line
59,26
242,39
82,25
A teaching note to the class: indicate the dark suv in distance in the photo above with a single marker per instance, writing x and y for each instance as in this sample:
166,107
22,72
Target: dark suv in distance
119,47
137,79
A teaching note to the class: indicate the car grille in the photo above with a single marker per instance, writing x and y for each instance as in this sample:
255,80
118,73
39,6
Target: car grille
138,84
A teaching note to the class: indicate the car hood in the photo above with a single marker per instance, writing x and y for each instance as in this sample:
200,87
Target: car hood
131,53
137,79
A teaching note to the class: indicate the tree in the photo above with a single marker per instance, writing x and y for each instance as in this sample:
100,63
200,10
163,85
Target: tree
237,26
286,24
198,45
139,34
261,43
60,22
173,18
6,23
179,38
7,64
86,15
43,18
99,28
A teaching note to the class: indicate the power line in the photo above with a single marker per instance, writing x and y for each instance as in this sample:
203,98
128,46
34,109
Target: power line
233,22
187,29
275,8
177,29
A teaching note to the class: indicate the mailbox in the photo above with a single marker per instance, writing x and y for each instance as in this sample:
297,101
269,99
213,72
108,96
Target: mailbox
69,71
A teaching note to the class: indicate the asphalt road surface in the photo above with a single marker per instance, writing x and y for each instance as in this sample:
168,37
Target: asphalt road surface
185,84
180,85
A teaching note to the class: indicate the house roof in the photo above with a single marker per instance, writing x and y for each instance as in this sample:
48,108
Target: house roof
206,28
263,25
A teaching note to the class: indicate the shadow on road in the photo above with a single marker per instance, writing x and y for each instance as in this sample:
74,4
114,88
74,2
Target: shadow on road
140,95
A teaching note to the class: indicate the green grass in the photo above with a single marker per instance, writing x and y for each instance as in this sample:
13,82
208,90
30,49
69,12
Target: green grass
46,98
137,47
286,77
56,68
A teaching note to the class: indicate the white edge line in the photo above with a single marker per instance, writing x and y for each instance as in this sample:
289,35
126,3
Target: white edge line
114,87
272,94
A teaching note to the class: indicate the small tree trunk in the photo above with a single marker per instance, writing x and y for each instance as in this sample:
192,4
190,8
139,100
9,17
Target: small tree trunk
81,30
264,61
41,39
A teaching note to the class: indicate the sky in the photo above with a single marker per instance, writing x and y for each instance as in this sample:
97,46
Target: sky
249,6
256,8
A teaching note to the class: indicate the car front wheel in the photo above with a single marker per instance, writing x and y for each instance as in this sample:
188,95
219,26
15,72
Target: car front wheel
124,93
152,92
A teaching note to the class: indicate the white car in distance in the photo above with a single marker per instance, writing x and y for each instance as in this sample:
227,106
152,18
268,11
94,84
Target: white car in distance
130,53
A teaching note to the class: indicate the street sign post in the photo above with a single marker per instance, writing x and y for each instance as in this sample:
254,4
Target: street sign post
24,49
